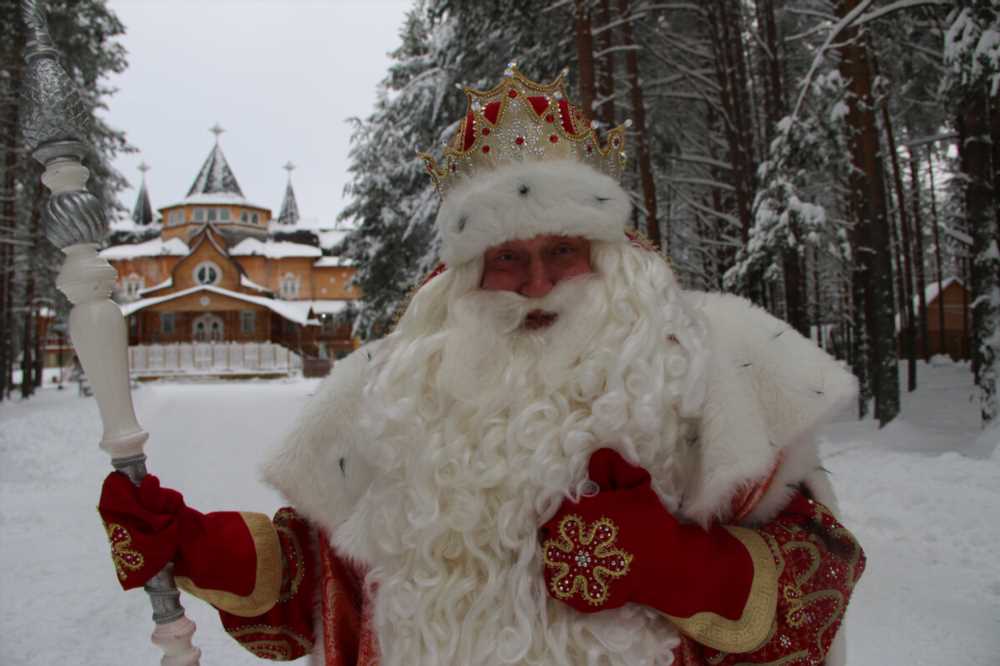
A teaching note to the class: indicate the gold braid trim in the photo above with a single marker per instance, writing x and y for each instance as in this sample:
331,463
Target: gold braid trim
750,631
267,581
269,642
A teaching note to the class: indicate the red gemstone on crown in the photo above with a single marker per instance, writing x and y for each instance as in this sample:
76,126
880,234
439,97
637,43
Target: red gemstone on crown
519,140
553,138
550,118
512,94
486,131
486,149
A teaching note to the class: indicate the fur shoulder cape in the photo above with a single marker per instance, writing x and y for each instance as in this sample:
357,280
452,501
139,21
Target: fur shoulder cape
768,390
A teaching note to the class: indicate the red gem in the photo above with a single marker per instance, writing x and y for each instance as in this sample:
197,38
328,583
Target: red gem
512,94
590,149
616,141
430,168
486,131
486,149
553,138
550,118
519,140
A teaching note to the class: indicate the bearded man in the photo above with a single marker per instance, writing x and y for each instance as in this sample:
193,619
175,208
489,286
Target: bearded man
556,457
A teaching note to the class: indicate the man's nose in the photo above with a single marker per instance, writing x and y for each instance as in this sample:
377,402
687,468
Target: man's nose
538,282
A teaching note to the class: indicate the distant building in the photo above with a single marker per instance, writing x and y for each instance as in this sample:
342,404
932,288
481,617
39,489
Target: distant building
955,338
215,267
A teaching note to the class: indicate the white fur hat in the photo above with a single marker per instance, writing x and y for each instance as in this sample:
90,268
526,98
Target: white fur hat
523,200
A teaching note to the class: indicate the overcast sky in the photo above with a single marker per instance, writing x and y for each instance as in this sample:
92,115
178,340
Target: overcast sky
281,77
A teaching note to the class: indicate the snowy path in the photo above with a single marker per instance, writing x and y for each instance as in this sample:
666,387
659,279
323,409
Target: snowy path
926,515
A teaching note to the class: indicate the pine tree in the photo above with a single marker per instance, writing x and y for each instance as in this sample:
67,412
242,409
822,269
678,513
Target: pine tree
85,32
972,56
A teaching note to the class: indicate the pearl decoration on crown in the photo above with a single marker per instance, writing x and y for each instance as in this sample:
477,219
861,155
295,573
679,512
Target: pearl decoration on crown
520,120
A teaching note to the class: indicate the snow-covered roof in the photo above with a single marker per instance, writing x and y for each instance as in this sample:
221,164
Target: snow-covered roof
297,311
169,282
273,249
156,247
250,284
215,176
328,306
330,238
332,262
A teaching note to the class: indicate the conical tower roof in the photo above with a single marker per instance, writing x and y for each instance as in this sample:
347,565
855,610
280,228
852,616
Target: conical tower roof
289,214
142,213
216,176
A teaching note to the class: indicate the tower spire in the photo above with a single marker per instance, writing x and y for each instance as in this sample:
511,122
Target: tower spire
142,213
289,214
215,176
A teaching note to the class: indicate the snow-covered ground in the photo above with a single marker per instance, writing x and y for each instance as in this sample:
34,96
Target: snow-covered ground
922,496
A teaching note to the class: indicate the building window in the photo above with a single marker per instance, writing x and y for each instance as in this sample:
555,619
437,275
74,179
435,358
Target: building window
289,286
132,285
244,217
329,324
248,321
211,214
224,214
207,272
167,323
176,217
199,214
254,218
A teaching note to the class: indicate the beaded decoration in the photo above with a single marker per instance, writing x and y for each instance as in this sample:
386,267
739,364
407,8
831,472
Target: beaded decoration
124,557
523,120
584,559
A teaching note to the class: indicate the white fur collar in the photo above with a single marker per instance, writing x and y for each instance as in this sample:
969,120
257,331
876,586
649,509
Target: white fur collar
768,389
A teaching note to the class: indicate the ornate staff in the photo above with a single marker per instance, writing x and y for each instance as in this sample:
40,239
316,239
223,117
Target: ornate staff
55,130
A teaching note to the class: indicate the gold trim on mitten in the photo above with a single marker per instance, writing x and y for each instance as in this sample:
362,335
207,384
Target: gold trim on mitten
267,583
751,629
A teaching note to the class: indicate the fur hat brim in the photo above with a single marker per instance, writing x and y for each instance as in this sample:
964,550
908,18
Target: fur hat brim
523,200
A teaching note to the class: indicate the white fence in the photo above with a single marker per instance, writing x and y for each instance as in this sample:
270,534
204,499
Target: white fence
212,358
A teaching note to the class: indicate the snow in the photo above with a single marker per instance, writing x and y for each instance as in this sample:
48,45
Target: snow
220,198
922,496
169,282
250,284
273,249
330,239
174,247
296,311
333,262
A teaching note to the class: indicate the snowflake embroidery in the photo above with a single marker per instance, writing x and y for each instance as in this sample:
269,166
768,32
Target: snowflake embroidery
584,559
123,556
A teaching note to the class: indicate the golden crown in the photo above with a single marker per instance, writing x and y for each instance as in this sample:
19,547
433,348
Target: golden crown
522,120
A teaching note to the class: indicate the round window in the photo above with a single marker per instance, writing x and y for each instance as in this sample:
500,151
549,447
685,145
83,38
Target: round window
207,272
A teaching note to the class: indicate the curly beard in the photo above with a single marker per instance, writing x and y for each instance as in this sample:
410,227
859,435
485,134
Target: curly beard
483,428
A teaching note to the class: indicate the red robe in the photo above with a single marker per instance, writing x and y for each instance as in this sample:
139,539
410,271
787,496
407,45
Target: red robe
817,562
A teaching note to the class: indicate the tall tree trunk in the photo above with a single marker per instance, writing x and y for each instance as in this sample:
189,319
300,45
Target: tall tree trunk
606,82
776,107
918,254
868,210
10,93
976,159
938,263
906,247
585,56
639,120
30,330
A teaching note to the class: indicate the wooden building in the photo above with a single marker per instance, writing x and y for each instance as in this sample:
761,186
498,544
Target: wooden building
952,307
217,268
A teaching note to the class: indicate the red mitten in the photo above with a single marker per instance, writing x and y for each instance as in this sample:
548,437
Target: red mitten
622,545
145,525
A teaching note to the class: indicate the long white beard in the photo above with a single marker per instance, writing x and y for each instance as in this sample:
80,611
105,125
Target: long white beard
481,430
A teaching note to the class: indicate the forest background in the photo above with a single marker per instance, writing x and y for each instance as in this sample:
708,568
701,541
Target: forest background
828,160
